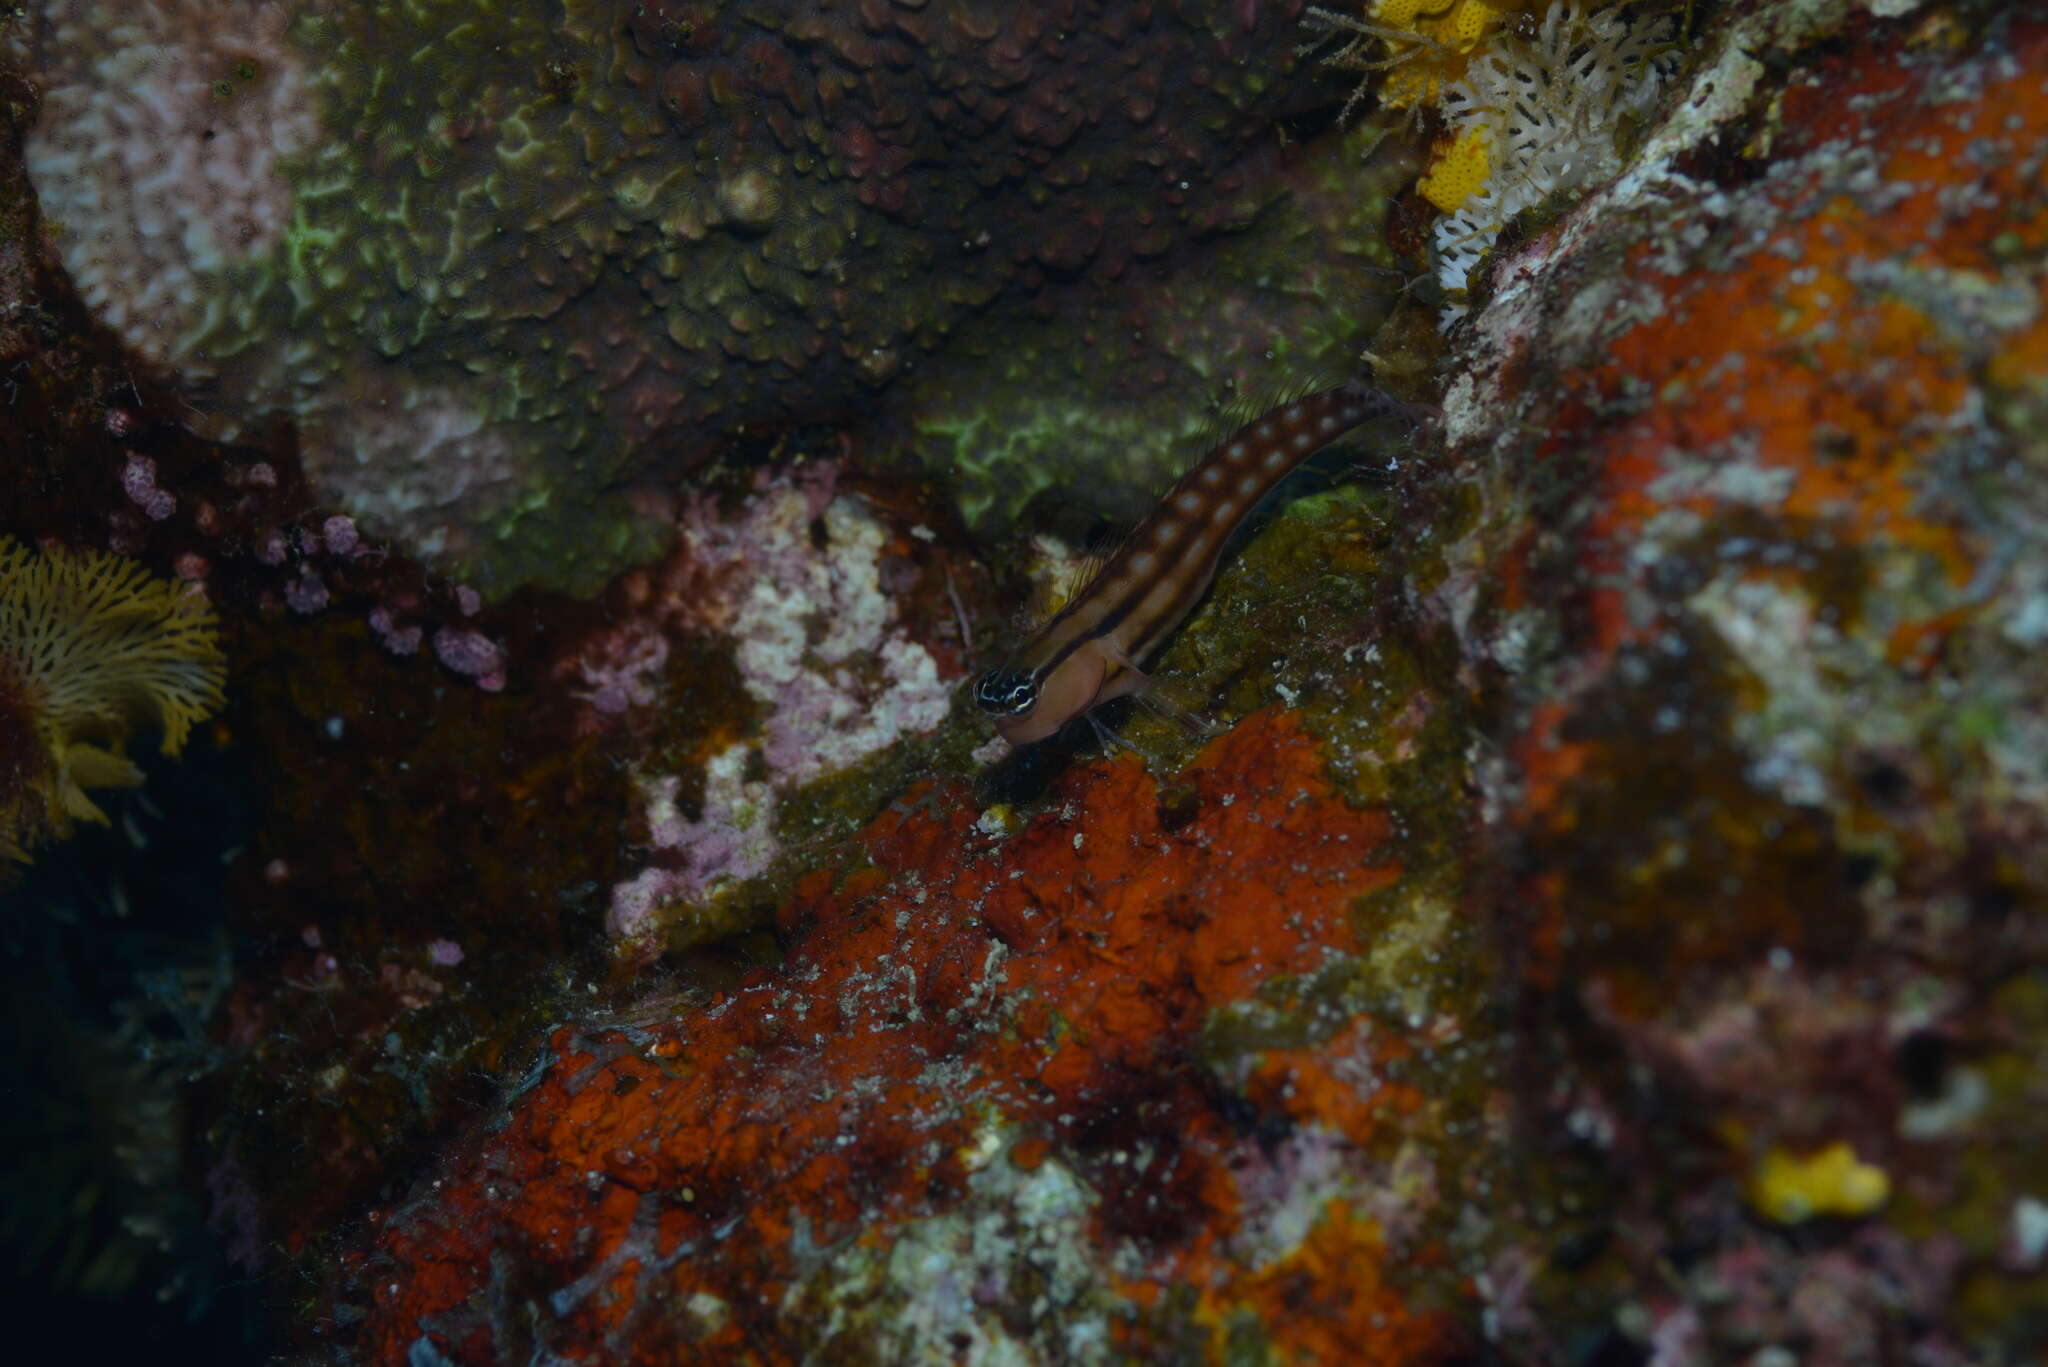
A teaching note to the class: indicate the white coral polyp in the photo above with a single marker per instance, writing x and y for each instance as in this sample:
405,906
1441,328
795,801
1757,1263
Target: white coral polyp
1550,108
158,156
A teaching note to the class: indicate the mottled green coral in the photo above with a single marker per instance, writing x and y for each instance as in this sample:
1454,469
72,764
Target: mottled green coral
1122,388
538,251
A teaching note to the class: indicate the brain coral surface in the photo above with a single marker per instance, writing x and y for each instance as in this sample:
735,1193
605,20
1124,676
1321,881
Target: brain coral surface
498,262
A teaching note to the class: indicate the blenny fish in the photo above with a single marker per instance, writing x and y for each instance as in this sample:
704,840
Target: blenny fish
1092,651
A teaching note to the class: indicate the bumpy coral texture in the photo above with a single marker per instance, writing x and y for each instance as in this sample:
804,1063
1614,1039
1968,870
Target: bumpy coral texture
159,159
532,246
966,1092
90,646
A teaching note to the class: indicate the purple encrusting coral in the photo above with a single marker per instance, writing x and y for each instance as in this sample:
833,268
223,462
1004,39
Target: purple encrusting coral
138,481
473,655
623,670
816,642
306,594
339,535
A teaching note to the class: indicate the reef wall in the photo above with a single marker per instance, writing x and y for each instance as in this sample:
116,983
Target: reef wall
1604,921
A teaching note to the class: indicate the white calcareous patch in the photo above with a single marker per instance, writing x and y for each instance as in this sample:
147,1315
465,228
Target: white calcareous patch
1190,502
1211,475
1144,562
1017,1237
1248,486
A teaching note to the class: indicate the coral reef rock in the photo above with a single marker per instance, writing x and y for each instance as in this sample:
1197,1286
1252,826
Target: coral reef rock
500,262
1621,940
966,1116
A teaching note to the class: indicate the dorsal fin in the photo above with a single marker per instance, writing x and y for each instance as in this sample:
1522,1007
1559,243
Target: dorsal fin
1233,408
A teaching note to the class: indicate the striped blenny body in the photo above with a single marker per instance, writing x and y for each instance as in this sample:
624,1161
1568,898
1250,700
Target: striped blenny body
1092,651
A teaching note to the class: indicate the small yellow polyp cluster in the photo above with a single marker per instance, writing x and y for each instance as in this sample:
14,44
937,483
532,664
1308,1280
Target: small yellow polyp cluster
91,644
1420,45
1790,1188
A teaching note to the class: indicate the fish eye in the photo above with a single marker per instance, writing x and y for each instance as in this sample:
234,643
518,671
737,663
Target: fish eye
1004,693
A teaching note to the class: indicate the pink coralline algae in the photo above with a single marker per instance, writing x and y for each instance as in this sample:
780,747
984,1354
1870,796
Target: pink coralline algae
622,671
399,640
473,655
794,582
338,534
138,481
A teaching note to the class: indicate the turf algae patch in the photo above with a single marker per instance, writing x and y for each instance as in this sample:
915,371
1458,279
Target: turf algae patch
423,892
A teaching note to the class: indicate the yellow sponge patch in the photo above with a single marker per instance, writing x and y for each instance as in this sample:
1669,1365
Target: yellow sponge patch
1402,13
1789,1188
1467,22
1458,172
1445,32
